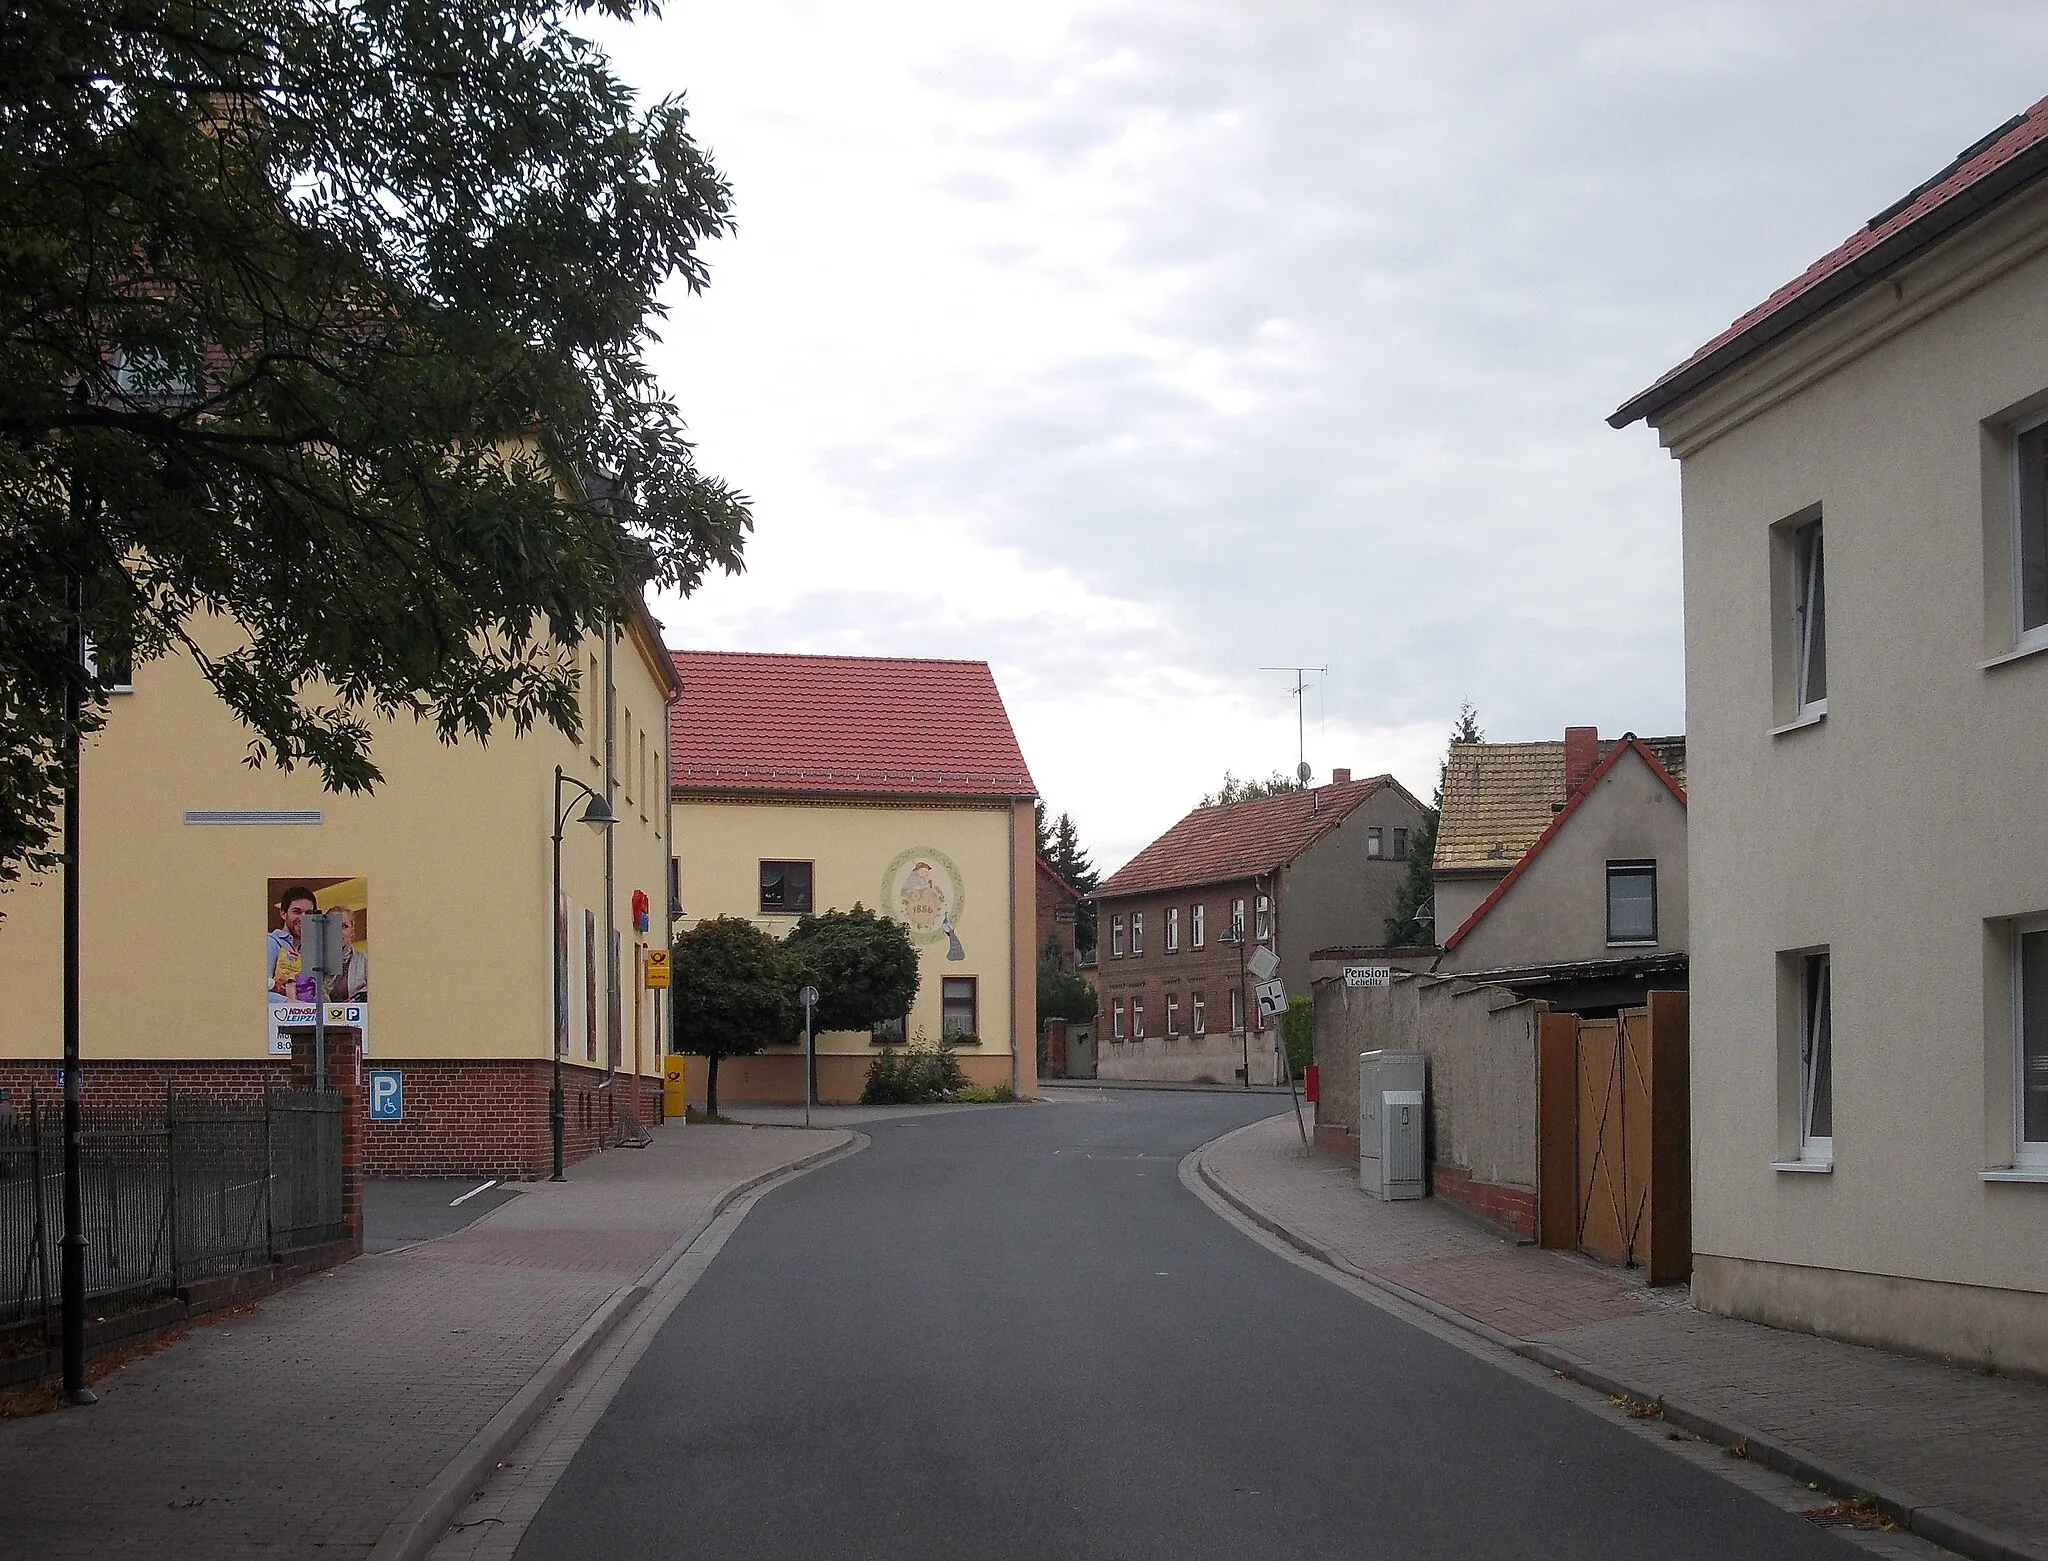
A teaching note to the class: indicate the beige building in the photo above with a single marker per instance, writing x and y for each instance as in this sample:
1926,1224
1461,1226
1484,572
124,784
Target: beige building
194,862
1864,462
816,783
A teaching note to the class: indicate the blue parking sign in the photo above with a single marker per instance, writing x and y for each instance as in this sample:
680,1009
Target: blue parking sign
387,1095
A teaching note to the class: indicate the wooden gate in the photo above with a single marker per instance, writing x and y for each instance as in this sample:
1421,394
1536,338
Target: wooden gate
1613,1137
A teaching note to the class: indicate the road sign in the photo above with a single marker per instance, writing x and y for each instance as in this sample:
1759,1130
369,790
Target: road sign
657,967
1271,996
808,997
1368,975
1263,963
387,1095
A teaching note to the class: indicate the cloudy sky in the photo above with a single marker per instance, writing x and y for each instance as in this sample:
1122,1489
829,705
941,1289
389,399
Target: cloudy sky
1137,345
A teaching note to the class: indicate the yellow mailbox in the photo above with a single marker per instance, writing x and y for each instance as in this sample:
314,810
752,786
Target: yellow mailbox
674,1097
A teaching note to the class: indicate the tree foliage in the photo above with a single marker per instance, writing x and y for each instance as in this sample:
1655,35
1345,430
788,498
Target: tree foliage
331,319
1062,993
1414,917
863,965
1298,1032
1250,789
1061,848
734,991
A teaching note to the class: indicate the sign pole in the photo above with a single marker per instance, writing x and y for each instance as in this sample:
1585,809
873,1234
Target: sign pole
809,997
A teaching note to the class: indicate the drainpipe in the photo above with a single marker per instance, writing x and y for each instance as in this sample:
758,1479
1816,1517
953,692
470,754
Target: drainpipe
1016,996
611,944
664,1010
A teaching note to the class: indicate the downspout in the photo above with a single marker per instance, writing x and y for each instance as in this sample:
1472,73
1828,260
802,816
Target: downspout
671,893
1016,993
611,936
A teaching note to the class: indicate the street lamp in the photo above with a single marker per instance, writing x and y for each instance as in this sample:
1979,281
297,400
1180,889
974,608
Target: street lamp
1235,934
597,813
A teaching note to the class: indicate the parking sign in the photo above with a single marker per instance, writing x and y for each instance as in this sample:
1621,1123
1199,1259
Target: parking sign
387,1095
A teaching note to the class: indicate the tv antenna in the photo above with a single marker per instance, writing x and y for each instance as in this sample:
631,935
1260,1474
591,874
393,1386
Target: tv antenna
1299,691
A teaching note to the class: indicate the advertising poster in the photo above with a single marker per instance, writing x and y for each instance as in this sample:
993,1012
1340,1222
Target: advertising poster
291,991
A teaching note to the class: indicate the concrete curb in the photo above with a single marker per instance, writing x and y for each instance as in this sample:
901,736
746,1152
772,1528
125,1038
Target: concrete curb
414,1532
1935,1524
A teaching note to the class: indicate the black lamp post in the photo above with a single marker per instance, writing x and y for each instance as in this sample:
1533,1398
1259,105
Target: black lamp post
597,813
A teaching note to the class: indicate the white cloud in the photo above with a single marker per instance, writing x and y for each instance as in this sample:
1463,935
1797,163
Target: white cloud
1133,344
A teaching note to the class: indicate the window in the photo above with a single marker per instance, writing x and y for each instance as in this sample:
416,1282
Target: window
1199,1016
957,1018
1816,1061
1631,902
1265,911
1137,1018
1195,925
1237,1010
626,782
1137,932
1173,929
1173,1013
2030,1012
1400,845
1810,622
1237,921
1116,1020
889,1032
2030,535
1116,937
785,888
116,674
1375,841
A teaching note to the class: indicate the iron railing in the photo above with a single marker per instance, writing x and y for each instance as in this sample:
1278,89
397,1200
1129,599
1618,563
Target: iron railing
181,1189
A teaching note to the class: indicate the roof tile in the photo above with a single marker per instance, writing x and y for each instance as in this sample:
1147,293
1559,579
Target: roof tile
1239,839
1498,797
858,725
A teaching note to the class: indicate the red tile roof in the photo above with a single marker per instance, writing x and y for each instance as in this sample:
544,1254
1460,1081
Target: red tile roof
1981,176
854,725
1238,839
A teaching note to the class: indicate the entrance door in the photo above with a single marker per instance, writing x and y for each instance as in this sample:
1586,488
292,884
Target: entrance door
1080,1051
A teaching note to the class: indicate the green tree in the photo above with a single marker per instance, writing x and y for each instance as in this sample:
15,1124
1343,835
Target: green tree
1298,1030
735,992
863,965
1062,993
1250,789
1414,915
1064,855
331,319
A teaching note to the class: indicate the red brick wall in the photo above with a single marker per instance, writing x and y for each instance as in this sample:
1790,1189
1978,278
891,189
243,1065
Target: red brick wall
1513,1207
462,1118
1213,970
1052,894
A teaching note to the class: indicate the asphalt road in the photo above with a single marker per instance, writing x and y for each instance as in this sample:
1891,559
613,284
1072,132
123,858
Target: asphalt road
1013,1333
399,1211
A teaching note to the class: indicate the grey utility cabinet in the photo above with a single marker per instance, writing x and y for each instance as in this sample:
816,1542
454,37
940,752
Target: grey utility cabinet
1392,1086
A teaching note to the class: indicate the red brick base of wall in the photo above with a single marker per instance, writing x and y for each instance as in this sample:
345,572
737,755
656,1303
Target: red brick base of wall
478,1117
1336,1140
1512,1207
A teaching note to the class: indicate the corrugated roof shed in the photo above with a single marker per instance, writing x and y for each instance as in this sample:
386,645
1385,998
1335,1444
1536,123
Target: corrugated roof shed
1239,839
1498,797
854,725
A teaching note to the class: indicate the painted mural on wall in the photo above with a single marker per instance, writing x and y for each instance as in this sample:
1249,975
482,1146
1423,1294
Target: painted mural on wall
291,990
923,888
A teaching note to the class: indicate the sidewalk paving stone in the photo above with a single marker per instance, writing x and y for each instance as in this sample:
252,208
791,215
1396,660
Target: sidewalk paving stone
308,1426
1952,1439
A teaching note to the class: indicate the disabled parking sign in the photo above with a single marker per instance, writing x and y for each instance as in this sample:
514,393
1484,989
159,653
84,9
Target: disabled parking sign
387,1095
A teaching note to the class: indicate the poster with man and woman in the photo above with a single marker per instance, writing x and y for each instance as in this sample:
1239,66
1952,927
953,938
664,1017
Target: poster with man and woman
292,989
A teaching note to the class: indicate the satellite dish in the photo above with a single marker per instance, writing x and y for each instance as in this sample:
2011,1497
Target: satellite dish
1302,772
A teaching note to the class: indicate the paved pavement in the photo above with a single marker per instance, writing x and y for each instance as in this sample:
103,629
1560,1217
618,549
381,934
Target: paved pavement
312,1425
402,1211
1953,1453
1021,1333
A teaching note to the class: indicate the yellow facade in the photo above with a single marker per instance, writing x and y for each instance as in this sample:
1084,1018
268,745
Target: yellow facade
453,850
978,862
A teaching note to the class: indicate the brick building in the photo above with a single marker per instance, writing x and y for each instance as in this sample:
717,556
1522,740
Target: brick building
1295,873
1057,903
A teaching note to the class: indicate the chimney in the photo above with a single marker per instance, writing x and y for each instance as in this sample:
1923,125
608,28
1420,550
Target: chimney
1581,755
1340,777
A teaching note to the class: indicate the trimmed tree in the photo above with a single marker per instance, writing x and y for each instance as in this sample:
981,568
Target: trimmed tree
735,993
862,963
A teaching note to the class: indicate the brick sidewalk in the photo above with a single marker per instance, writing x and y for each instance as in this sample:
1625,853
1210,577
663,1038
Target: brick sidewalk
1955,1452
307,1427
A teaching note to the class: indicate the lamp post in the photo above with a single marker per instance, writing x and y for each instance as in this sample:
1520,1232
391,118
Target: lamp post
597,813
1244,1000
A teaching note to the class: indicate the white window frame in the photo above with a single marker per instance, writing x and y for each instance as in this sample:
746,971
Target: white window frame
1137,1018
2026,1155
1809,569
2023,637
1173,929
1237,1010
1816,1035
1375,842
1116,1019
1198,1016
1237,921
1264,911
1173,1014
1116,937
1137,933
1197,925
1634,869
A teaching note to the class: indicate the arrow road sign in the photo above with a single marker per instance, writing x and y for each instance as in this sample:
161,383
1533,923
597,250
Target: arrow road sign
1271,997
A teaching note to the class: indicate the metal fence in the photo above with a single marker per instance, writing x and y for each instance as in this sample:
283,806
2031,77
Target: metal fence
182,1189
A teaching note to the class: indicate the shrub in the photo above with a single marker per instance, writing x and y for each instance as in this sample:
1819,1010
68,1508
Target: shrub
920,1074
985,1095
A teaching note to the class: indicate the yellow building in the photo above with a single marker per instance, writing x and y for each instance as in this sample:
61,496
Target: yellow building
192,861
814,783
